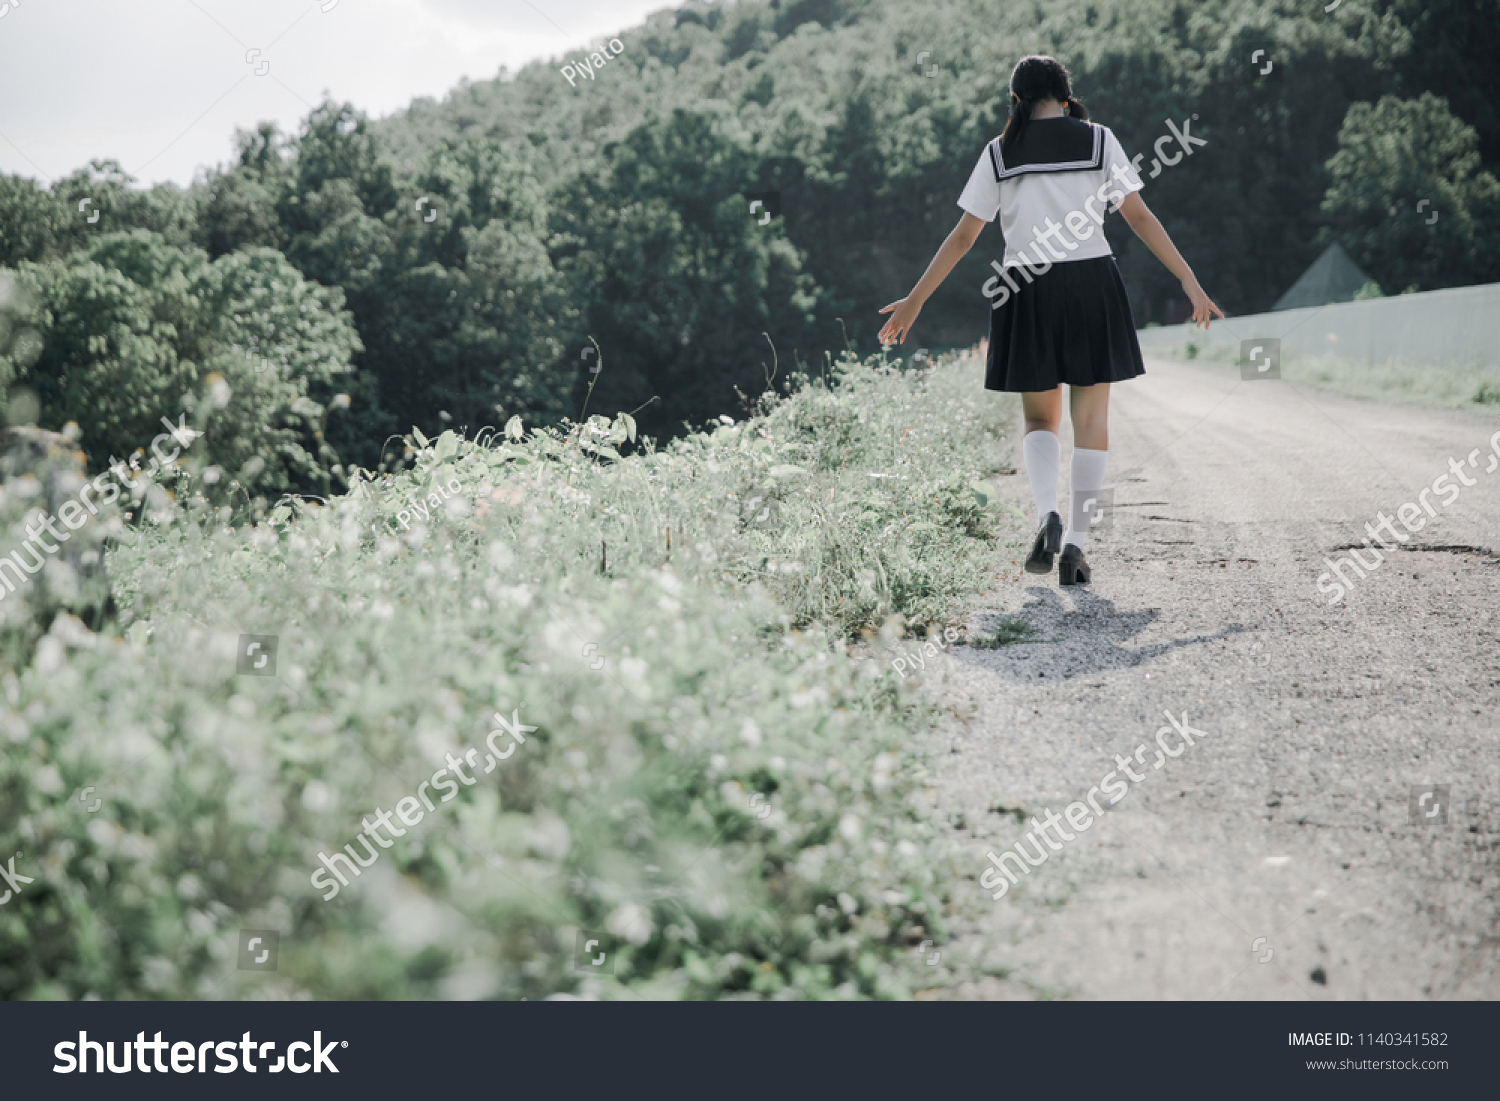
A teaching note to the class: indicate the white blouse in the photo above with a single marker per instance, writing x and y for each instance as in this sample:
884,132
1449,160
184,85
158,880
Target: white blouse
1062,175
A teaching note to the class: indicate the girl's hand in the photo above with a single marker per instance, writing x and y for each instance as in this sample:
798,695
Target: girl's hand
904,317
1203,306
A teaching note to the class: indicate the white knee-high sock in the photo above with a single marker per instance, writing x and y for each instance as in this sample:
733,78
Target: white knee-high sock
1043,459
1088,480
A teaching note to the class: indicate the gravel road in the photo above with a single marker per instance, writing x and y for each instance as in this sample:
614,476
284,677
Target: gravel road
1290,819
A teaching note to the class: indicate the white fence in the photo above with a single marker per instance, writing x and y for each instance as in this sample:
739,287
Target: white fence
1458,327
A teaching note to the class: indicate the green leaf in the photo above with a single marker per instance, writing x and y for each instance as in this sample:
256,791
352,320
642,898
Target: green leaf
984,493
417,432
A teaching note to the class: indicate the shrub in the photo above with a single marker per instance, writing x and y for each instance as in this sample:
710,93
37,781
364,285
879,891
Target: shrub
133,329
716,788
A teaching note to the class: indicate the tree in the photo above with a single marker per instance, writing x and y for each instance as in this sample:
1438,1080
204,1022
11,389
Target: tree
133,329
42,224
32,221
1408,199
281,343
1452,49
680,279
337,145
244,205
165,209
472,318
239,211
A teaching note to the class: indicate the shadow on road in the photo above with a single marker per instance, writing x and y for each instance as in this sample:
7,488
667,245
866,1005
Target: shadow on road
1076,635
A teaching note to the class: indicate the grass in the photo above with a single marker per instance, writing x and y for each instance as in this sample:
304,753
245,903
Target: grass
1008,631
716,789
1472,387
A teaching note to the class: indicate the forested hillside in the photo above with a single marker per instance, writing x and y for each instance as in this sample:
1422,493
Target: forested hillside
455,264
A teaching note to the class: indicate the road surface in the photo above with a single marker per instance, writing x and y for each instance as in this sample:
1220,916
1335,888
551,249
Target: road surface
1279,855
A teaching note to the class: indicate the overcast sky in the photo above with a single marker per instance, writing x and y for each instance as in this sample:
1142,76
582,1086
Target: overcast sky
160,85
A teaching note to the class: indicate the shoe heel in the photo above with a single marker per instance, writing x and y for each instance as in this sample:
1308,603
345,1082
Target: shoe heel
1073,568
1045,548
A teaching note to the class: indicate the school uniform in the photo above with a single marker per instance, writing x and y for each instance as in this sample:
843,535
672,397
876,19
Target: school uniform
1059,311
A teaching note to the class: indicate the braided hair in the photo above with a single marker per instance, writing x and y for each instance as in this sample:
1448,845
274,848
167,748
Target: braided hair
1037,77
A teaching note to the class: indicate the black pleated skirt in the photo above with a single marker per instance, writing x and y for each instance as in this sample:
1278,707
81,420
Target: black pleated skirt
1071,324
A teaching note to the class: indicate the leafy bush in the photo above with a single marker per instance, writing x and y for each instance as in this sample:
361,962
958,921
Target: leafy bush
722,798
133,329
42,471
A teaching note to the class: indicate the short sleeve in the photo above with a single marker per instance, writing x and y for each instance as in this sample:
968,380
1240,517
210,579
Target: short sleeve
981,196
1127,179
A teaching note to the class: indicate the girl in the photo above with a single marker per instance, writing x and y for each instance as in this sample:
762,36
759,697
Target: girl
1060,313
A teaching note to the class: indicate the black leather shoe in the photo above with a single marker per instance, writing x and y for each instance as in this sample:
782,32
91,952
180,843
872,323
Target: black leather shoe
1073,567
1048,542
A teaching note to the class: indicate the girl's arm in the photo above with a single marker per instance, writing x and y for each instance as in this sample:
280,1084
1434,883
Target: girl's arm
1139,217
959,242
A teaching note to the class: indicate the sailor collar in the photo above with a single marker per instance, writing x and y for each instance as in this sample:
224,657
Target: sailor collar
1051,145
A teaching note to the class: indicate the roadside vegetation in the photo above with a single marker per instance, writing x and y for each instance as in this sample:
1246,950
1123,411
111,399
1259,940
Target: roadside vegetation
717,789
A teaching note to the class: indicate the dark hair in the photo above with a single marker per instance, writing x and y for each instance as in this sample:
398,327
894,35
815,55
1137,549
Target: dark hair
1037,77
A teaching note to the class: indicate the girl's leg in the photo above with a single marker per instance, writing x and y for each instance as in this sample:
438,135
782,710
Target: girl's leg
1089,409
1040,447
